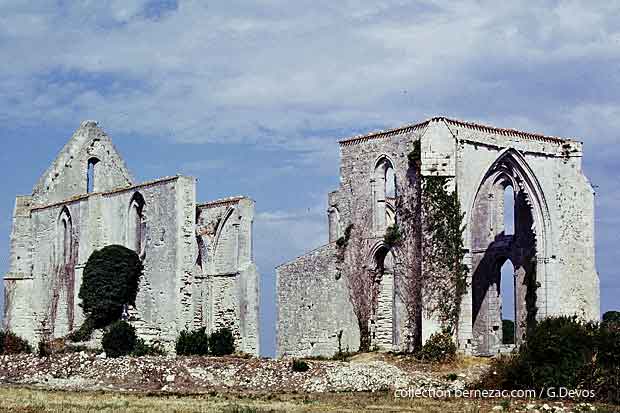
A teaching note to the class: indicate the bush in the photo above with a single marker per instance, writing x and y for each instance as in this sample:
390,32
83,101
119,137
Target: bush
606,370
111,279
300,366
12,344
143,349
555,354
508,332
83,333
222,343
119,340
194,343
611,317
392,236
439,348
563,352
44,349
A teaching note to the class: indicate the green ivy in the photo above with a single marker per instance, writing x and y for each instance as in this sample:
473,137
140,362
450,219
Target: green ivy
392,236
111,280
343,242
444,248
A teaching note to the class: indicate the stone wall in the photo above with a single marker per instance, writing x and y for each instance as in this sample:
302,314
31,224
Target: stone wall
553,244
313,307
183,286
229,276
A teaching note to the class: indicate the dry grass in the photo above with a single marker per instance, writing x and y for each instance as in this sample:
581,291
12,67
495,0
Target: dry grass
32,400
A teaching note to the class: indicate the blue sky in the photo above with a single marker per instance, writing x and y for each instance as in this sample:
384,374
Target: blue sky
251,96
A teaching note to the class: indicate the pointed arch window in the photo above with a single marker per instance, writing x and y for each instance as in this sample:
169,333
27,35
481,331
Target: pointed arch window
136,225
64,237
509,210
91,175
384,182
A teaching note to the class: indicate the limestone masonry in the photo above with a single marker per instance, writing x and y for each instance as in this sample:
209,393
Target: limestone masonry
199,267
551,240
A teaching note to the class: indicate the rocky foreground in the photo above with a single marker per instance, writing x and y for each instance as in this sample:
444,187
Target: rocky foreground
85,371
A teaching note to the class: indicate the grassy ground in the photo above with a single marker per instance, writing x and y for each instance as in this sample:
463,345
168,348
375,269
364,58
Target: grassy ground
31,400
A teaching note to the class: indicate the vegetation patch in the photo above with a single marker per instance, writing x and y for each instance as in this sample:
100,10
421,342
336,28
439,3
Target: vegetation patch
300,366
10,343
563,352
119,340
199,343
439,348
111,280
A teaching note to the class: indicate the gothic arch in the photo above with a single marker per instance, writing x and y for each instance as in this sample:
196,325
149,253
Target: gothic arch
379,188
64,237
490,247
523,178
136,225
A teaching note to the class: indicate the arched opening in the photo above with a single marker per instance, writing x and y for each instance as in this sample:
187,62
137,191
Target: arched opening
383,326
507,300
335,230
390,183
63,280
136,229
509,210
64,237
66,240
384,183
504,281
91,175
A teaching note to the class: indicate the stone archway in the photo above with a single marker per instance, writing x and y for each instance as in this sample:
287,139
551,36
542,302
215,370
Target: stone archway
491,247
383,321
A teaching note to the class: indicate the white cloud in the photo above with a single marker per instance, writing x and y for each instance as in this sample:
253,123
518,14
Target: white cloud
272,72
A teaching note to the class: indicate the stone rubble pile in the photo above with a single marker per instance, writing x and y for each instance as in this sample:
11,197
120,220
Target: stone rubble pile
84,371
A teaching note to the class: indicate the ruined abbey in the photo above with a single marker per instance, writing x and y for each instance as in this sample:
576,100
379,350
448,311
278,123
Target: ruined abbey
199,267
550,242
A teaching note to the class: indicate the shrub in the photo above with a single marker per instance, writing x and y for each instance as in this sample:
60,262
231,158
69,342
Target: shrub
606,371
222,342
12,344
111,279
392,236
611,317
193,343
440,348
44,349
119,339
300,366
83,333
508,332
143,349
555,354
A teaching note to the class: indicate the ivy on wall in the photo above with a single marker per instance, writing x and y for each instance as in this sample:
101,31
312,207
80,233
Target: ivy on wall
445,278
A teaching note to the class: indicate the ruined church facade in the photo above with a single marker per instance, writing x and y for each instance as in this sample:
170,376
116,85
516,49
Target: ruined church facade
550,244
199,269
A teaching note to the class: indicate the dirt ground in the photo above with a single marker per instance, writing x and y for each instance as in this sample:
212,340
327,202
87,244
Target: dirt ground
367,383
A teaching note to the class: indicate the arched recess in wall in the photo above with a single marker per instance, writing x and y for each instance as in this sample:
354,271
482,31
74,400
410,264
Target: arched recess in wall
64,237
386,324
92,175
384,191
60,316
223,226
335,226
491,246
136,225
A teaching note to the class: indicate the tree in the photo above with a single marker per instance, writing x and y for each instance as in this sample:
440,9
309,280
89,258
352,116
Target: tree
111,280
